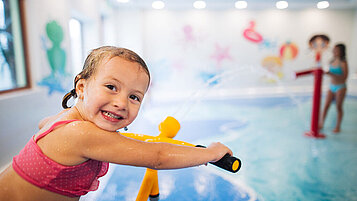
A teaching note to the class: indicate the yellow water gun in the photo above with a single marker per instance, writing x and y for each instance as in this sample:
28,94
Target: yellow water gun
168,130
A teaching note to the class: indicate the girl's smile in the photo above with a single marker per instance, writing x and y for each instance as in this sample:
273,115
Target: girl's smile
110,116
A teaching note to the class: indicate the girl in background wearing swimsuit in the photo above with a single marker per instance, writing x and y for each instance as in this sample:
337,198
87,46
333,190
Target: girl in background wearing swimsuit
338,71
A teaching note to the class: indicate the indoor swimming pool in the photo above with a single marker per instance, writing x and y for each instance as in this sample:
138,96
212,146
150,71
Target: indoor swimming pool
267,134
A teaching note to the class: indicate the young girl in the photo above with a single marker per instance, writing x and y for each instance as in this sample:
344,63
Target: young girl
72,149
338,72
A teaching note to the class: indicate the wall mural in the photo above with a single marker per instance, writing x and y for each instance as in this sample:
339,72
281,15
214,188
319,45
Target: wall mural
251,35
273,63
56,56
188,33
254,36
207,56
288,51
220,54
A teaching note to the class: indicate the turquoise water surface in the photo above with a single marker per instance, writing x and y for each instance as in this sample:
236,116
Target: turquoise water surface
267,134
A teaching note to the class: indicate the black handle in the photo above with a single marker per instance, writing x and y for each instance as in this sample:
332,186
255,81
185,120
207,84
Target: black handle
227,162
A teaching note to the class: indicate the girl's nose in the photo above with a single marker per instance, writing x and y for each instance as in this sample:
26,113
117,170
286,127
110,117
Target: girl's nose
120,102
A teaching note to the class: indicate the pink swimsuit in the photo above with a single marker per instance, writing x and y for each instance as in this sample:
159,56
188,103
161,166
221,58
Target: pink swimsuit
73,181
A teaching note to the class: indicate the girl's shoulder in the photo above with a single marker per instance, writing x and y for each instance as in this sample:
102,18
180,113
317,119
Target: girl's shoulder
78,126
333,62
69,124
82,130
56,121
72,132
344,62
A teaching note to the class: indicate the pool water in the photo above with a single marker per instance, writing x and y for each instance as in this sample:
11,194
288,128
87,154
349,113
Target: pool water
267,134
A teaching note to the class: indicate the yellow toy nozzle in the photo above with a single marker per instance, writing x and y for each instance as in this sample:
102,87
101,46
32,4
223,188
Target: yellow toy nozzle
236,166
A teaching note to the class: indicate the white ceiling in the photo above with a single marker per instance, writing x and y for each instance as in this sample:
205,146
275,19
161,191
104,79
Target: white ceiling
229,4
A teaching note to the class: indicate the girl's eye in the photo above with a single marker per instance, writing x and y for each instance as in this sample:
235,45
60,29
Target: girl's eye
111,87
134,98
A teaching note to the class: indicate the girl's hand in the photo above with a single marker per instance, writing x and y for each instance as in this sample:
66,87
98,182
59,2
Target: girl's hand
218,150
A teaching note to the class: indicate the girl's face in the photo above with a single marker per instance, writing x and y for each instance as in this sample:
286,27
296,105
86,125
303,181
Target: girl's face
112,96
336,51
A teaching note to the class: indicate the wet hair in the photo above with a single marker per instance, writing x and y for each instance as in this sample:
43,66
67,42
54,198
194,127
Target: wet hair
322,36
95,58
342,48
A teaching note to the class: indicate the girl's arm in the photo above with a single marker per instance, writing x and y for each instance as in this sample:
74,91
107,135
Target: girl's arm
95,143
344,67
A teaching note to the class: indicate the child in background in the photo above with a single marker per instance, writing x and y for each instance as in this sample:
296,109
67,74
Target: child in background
338,72
73,148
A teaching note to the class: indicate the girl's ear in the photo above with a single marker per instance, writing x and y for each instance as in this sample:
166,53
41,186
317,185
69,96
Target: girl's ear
80,88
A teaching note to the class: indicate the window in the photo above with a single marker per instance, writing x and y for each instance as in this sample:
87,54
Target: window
75,32
13,72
